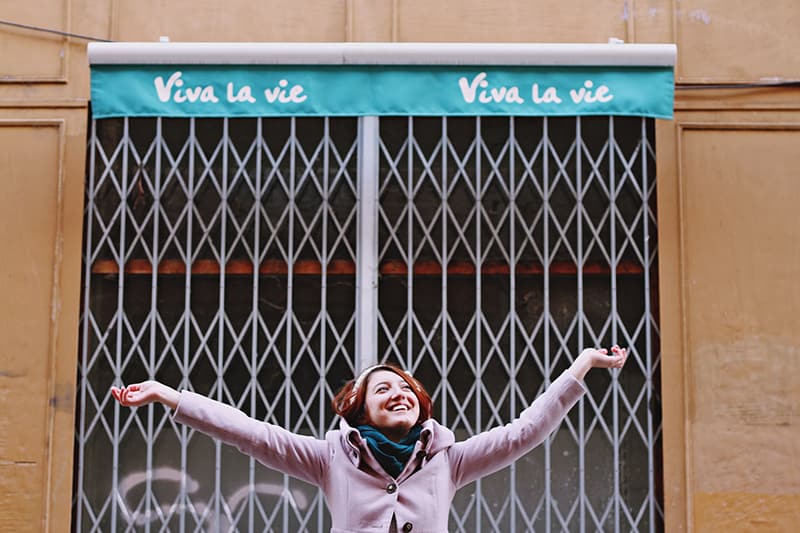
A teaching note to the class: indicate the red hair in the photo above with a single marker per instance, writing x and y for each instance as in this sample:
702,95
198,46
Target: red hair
349,401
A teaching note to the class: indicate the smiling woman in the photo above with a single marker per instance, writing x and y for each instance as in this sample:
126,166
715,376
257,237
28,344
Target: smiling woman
389,466
365,400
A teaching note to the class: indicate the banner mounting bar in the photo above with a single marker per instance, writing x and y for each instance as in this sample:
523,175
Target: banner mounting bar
509,54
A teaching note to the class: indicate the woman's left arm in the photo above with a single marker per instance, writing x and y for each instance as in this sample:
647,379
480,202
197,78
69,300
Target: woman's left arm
492,450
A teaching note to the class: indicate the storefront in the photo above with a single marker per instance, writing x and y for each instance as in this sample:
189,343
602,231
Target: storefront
263,220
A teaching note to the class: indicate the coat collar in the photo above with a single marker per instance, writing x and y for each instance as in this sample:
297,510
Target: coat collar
433,439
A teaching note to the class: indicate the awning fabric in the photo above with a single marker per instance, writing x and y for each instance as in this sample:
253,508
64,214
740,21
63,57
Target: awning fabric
352,79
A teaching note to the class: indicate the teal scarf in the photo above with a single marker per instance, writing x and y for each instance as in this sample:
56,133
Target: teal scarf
392,456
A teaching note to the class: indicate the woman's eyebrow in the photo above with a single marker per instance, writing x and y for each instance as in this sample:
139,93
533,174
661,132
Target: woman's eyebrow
387,382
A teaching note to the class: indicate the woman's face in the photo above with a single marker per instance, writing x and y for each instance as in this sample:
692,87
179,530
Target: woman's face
390,404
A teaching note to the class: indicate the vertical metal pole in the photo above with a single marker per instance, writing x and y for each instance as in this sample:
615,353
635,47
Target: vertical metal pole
647,313
409,257
444,255
87,280
121,255
254,354
187,320
151,371
546,307
367,262
222,258
291,254
581,341
614,315
512,296
478,304
323,348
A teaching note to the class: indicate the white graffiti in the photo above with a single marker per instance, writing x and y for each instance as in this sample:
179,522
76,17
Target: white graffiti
297,499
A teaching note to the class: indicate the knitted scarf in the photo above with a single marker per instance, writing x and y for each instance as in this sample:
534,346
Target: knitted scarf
392,456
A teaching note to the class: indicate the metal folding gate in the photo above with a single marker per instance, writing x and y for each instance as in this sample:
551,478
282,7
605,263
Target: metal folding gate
264,261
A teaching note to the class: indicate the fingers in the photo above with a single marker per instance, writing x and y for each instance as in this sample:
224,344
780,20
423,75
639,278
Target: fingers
620,355
124,395
116,392
120,394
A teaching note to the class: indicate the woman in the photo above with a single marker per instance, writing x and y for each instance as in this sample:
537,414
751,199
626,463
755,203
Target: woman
390,466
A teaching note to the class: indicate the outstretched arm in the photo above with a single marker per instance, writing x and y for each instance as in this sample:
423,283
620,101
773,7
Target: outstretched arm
492,450
300,456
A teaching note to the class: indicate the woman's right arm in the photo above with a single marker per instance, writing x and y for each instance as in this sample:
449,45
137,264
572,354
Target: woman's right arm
300,456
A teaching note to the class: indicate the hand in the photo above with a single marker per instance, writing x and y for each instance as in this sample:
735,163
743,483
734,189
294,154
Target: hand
601,359
592,358
144,393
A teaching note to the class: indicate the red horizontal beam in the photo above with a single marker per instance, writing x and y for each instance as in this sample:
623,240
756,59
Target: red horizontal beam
210,266
344,267
466,268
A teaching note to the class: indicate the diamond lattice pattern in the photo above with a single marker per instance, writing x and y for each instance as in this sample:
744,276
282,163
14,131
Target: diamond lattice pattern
219,256
518,241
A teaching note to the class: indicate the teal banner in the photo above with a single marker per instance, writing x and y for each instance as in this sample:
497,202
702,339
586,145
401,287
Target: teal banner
352,90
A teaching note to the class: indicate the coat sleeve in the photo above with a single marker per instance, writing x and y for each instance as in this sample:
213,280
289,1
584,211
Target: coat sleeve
299,456
492,450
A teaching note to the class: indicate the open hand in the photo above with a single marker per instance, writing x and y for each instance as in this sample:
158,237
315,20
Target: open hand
594,358
602,359
146,392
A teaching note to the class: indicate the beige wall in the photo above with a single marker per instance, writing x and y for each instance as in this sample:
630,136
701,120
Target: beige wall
730,298
41,197
728,187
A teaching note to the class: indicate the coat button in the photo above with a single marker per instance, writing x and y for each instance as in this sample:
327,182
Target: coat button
391,488
408,526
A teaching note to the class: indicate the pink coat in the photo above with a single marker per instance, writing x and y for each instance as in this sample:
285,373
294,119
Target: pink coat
360,495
